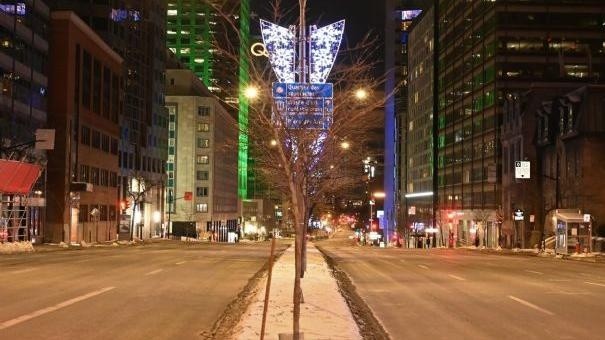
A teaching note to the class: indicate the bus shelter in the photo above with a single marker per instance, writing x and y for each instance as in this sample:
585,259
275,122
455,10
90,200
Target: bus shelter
571,231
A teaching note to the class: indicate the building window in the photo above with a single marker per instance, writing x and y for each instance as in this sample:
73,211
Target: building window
114,146
203,127
94,176
85,139
113,179
84,170
104,180
96,90
203,159
83,213
201,191
86,78
201,207
96,139
203,111
202,175
203,142
105,143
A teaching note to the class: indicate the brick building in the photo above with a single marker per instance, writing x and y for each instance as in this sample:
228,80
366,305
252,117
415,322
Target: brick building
86,99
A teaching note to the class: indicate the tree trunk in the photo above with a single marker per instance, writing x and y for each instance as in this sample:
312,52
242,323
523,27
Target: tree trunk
299,217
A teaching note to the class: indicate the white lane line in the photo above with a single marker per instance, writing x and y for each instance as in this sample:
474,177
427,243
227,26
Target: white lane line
179,263
534,272
423,266
457,277
595,284
21,271
531,305
154,272
46,310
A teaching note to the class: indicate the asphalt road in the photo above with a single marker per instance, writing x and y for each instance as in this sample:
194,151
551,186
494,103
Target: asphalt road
162,291
462,294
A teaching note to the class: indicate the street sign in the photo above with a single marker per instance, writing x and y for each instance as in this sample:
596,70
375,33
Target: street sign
412,210
301,105
518,215
522,169
587,218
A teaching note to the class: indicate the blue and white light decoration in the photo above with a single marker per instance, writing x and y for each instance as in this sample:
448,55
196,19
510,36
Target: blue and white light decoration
324,46
281,46
280,43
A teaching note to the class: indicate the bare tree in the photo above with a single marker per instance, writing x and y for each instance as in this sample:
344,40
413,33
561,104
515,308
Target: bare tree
138,188
305,163
482,216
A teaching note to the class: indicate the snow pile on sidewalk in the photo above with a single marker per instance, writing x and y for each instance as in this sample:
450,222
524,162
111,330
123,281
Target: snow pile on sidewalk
324,315
16,247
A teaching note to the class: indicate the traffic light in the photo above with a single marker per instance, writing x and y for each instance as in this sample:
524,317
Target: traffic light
374,224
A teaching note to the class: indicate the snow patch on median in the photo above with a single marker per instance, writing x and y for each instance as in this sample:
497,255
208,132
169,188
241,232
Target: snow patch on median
16,247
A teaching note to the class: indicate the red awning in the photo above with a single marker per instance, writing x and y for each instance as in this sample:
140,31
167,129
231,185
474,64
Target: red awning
17,177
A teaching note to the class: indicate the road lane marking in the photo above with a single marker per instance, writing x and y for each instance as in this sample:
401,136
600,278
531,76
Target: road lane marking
534,272
457,277
423,266
530,305
179,263
21,271
594,284
47,310
154,272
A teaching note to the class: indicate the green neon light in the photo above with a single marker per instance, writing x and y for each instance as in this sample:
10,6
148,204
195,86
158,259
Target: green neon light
244,78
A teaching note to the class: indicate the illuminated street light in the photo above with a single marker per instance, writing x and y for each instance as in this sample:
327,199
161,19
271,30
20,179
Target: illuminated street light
345,145
251,92
273,142
361,94
379,195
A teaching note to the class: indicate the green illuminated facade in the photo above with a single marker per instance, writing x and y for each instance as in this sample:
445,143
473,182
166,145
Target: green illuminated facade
243,101
191,33
189,36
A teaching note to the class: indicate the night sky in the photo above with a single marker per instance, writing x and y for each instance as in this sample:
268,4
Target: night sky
361,16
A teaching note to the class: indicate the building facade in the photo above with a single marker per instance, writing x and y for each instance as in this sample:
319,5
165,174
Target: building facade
202,156
399,16
488,50
136,30
24,94
417,130
85,102
570,142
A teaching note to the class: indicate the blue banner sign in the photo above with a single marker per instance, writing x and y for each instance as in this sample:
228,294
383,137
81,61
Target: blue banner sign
304,105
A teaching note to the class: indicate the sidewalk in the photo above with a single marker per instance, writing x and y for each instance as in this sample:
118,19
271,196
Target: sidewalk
591,257
324,315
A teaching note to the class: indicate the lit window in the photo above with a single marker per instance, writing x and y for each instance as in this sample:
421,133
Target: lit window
201,207
203,159
172,12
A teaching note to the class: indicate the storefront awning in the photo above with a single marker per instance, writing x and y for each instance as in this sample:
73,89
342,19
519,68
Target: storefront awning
17,177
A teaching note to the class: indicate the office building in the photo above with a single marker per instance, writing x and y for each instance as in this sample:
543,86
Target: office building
136,30
202,157
23,99
399,15
85,102
487,51
417,131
